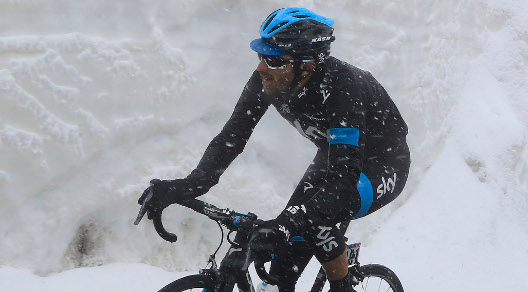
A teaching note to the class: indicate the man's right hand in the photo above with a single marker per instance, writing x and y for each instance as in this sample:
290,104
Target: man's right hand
268,236
165,193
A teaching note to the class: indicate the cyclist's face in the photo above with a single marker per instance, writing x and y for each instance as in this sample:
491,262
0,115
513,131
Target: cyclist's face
276,80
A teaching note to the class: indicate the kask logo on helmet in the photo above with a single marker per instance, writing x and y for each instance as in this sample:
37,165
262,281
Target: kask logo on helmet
321,39
283,45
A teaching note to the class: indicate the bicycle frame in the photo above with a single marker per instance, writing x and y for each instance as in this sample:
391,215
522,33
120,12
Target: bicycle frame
235,264
234,270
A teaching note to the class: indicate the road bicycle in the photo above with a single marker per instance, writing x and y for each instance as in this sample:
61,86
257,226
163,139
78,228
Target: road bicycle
233,269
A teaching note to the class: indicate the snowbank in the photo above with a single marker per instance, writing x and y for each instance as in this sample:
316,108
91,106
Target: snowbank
99,97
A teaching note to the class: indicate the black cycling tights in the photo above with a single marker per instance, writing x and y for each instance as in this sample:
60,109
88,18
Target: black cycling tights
382,180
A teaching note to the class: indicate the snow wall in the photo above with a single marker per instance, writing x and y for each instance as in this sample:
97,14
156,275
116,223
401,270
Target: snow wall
98,97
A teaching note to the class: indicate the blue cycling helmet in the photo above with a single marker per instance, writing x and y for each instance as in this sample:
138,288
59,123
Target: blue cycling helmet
295,31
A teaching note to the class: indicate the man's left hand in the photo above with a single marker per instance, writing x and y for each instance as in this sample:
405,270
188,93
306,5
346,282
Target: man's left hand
268,235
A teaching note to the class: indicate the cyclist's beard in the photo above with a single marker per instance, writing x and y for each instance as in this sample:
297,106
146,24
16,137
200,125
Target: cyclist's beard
274,84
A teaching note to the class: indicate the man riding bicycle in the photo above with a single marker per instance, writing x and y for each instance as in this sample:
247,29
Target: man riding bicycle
362,160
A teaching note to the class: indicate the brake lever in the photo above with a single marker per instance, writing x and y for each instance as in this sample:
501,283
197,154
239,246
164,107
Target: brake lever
143,209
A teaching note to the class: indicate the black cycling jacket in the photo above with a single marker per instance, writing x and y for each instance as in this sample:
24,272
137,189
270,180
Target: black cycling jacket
342,109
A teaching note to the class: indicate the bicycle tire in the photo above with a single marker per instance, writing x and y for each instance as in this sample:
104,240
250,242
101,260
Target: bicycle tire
383,273
198,282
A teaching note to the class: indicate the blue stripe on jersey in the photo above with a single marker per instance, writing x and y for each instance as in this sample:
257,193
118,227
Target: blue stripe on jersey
347,136
367,195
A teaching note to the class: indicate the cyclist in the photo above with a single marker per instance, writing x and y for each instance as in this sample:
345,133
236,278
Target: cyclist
362,160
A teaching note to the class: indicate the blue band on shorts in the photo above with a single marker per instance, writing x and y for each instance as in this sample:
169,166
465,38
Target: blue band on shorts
367,195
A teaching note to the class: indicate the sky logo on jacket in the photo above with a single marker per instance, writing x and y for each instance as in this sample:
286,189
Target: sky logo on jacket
386,186
311,132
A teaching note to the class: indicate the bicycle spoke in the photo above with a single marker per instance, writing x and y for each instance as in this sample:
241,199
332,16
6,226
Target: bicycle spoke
376,284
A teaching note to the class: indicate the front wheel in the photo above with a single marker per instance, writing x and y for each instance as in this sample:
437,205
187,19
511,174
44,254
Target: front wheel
378,278
195,283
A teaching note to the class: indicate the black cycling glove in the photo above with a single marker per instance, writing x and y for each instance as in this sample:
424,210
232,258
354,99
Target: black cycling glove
167,192
269,235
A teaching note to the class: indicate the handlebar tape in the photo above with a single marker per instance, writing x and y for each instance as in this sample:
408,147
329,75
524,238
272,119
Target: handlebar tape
170,237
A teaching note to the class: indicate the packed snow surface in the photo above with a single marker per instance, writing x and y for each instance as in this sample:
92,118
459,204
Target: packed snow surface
98,97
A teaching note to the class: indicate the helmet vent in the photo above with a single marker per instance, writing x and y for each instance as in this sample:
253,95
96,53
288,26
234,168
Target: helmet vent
295,11
301,16
277,26
268,22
